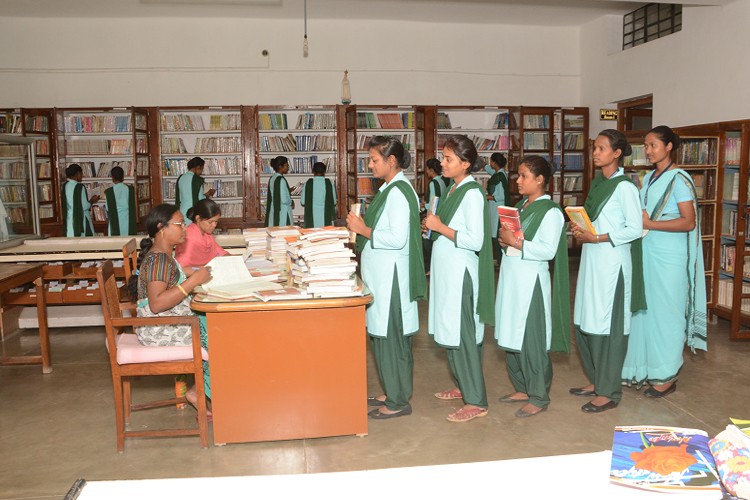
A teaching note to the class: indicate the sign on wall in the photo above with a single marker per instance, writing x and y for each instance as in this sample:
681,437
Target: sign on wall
608,114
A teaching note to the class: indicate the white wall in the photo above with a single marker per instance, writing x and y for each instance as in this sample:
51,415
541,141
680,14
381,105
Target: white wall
698,75
148,62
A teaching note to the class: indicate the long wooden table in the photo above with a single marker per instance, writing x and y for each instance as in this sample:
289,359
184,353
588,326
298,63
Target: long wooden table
290,369
12,276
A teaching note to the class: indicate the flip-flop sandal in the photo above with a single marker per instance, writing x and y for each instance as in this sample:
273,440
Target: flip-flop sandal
454,393
464,414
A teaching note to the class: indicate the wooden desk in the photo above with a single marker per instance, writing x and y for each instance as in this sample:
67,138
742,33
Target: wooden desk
12,276
287,369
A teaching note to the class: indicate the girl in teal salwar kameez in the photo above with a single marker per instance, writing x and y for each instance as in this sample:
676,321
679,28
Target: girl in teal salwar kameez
319,198
279,203
673,272
462,278
390,244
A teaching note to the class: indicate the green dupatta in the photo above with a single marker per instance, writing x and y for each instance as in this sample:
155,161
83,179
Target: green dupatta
275,200
447,208
114,220
309,209
531,220
600,192
696,330
499,177
80,224
417,279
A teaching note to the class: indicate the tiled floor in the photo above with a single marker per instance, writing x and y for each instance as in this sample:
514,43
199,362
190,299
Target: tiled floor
58,427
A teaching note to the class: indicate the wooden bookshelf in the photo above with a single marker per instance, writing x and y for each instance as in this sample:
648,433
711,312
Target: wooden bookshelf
16,185
40,124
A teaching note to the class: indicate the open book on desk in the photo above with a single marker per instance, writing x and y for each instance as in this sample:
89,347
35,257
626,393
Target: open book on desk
230,279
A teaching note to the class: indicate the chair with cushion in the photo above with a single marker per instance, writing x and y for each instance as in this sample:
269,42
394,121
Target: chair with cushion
128,358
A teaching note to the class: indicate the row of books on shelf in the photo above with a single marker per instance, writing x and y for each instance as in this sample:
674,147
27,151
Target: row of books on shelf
536,121
729,225
698,152
13,170
46,212
231,165
224,188
573,140
363,141
497,143
87,124
144,208
12,150
732,150
41,147
37,124
535,140
295,189
704,184
104,168
11,124
16,215
181,122
301,164
567,200
105,146
13,194
728,260
637,158
542,121
297,143
44,189
567,183
305,121
732,185
385,120
211,145
368,185
726,294
503,120
143,190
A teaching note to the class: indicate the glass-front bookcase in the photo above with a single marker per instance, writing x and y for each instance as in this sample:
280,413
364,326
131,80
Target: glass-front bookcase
19,200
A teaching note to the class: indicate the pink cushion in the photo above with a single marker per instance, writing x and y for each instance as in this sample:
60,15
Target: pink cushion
129,350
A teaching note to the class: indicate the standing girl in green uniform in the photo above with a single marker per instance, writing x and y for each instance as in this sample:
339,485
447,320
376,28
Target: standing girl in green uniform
319,198
279,202
533,314
389,240
437,186
461,288
610,279
498,194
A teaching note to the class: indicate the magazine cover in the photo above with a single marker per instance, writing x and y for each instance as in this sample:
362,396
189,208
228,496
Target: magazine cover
663,459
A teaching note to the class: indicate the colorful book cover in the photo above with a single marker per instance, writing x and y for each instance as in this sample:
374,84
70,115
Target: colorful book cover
663,459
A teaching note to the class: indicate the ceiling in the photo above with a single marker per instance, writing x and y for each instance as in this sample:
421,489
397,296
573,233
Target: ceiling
528,12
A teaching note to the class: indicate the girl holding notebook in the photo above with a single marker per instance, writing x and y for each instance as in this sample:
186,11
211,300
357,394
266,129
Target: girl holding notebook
610,279
533,313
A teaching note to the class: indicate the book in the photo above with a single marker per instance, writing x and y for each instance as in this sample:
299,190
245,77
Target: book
239,291
510,218
578,215
433,210
285,293
355,210
665,459
229,275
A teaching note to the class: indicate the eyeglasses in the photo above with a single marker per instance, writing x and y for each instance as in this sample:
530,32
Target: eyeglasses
177,223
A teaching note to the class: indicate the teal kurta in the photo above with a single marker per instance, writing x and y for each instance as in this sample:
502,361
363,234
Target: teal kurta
120,205
189,191
498,192
674,282
436,188
285,217
518,277
450,261
388,248
601,263
77,204
318,199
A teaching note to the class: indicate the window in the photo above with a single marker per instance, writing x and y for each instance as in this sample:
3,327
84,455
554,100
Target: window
650,22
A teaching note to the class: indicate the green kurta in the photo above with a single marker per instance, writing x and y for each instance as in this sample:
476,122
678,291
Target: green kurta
120,209
319,199
278,202
188,192
76,209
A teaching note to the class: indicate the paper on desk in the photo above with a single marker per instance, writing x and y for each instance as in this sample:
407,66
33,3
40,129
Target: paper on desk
227,270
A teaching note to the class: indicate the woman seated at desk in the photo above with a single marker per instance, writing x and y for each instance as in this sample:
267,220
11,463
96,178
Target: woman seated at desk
199,246
162,287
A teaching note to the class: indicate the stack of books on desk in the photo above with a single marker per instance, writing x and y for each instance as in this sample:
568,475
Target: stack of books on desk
255,238
323,265
276,241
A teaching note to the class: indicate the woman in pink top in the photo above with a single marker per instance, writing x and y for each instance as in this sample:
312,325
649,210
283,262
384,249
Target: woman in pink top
199,246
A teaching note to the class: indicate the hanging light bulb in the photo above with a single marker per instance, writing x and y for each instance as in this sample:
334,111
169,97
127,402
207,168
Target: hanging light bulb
305,47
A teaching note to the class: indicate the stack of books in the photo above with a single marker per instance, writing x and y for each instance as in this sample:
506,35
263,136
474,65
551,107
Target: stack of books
255,238
276,242
322,264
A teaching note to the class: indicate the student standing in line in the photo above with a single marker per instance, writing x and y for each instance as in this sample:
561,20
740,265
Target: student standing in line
610,278
389,239
498,194
672,269
436,188
199,246
120,205
462,286
189,189
76,204
279,202
533,314
319,198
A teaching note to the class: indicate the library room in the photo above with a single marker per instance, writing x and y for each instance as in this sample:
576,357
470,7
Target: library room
198,230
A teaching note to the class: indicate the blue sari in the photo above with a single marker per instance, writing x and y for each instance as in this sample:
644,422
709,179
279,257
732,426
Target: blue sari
675,286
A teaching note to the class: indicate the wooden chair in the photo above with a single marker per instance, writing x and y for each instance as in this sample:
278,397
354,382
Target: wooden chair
130,258
128,358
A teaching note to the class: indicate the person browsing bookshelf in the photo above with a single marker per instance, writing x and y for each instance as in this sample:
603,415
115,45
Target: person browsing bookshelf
76,205
533,312
319,198
436,187
199,246
190,186
120,205
610,275
673,273
162,289
389,241
462,282
498,193
279,203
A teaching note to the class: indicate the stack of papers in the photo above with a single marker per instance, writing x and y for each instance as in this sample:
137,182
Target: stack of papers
322,264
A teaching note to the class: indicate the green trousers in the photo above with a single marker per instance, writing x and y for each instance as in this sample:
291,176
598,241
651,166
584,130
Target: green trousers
530,370
393,356
602,356
466,360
